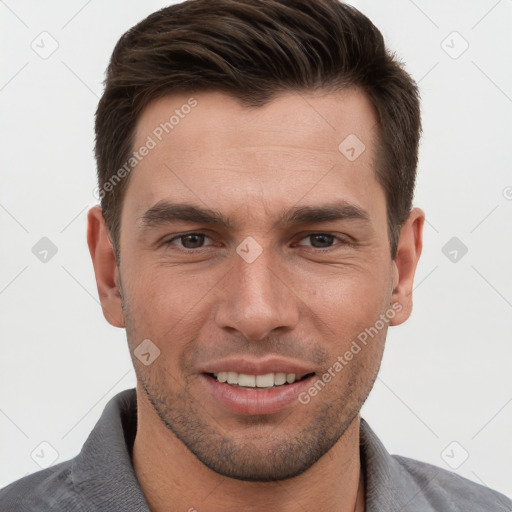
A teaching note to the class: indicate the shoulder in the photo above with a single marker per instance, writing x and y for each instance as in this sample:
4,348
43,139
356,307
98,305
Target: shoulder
396,483
447,491
48,489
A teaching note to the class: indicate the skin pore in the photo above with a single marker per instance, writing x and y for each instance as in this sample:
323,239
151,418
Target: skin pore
304,299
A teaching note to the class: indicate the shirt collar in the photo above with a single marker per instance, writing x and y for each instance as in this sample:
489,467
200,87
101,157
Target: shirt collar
389,486
104,477
103,473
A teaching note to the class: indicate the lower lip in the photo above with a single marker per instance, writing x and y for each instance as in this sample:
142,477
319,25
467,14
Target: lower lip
257,401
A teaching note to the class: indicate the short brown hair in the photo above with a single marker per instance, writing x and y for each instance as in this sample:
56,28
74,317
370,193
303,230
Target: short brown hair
252,50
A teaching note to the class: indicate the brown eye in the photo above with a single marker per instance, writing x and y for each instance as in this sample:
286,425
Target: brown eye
320,240
190,240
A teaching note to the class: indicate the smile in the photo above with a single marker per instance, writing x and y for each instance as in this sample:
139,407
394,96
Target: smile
268,380
255,394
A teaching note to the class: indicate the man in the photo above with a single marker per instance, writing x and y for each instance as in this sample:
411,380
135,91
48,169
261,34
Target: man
256,166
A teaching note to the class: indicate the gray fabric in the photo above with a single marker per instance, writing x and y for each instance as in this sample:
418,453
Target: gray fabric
101,478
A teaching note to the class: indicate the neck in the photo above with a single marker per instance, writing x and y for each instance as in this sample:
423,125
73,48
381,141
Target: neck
170,474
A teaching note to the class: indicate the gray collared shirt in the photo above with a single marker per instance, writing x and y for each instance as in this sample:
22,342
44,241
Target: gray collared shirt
102,479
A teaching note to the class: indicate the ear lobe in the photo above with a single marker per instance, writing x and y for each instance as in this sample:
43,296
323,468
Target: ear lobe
408,253
105,267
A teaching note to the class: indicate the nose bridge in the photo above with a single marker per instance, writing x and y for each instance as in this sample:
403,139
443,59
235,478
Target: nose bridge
257,301
256,278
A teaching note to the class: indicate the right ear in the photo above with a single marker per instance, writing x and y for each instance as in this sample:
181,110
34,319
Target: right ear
105,267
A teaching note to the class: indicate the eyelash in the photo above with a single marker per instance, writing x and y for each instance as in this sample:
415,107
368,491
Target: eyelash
343,241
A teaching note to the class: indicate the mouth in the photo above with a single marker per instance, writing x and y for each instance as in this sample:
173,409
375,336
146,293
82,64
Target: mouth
255,394
257,382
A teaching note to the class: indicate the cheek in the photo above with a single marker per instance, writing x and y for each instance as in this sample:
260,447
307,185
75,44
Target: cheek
165,301
348,312
347,302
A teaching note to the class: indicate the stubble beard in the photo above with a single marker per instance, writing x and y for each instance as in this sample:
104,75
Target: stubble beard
281,451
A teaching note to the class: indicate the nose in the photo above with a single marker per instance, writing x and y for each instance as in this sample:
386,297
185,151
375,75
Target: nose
258,298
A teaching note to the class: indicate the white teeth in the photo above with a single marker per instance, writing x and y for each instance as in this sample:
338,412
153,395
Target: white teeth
232,378
267,380
279,378
247,380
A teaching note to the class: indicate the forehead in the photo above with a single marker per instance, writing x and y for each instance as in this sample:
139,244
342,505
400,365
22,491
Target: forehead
318,120
209,149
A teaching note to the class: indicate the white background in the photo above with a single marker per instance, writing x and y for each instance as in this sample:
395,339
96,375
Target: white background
446,373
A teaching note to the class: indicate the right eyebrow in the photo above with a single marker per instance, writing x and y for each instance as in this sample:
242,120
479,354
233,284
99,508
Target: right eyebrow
165,212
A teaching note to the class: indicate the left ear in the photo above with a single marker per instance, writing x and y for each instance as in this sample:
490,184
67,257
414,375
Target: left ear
408,253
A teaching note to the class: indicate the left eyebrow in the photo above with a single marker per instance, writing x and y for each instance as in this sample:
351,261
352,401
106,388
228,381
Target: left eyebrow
341,210
165,212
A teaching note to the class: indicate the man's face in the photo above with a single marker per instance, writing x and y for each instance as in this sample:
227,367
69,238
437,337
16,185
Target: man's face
288,299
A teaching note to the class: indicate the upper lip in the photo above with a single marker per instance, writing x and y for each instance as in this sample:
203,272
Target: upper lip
258,366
